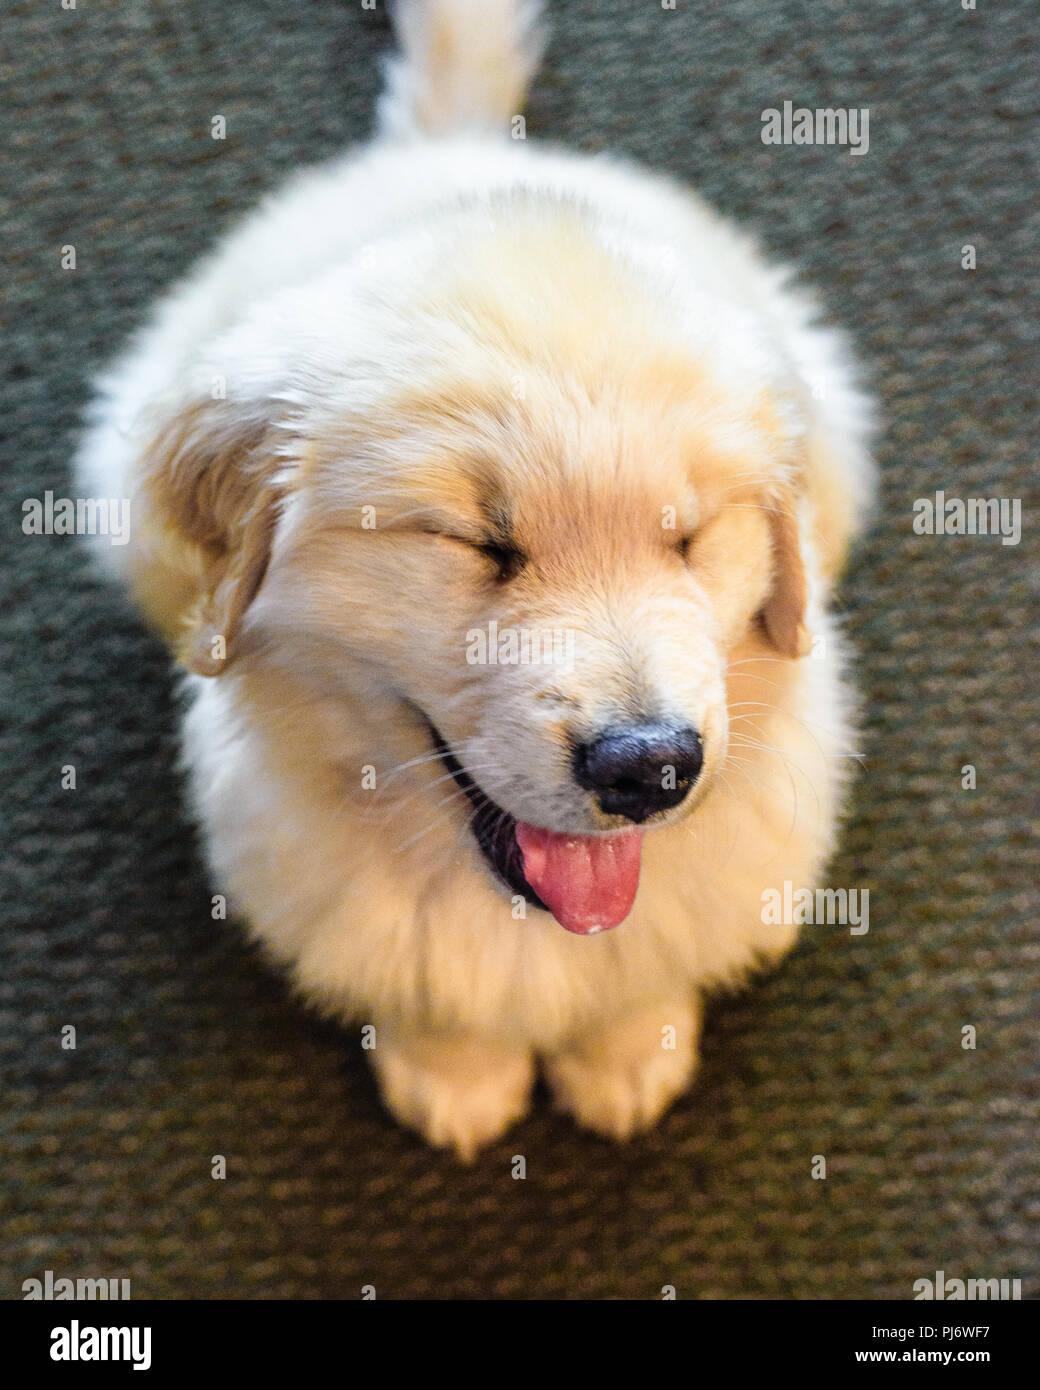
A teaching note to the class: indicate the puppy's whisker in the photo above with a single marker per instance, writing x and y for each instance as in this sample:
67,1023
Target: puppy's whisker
746,480
398,772
755,660
400,805
421,834
394,774
784,757
386,795
476,795
756,507
824,753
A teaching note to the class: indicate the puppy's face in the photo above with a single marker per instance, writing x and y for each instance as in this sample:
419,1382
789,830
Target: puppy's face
544,544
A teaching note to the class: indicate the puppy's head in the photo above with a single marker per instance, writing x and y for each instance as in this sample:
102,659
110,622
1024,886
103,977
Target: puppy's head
540,495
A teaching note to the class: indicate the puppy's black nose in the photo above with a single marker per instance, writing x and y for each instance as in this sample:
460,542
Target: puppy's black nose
639,770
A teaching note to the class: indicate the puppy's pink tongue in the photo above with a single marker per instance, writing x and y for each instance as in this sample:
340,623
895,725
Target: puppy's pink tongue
588,882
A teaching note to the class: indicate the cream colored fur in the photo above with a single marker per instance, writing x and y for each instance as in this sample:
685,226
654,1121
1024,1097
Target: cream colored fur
443,314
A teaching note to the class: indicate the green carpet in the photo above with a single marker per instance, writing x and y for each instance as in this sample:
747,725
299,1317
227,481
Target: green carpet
188,1047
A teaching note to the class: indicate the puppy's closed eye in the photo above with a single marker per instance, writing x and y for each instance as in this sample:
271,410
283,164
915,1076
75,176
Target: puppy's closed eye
506,558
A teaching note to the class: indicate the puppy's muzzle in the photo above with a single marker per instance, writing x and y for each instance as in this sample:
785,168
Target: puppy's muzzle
640,770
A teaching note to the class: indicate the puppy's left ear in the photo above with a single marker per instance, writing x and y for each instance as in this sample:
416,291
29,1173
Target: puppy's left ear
210,481
783,614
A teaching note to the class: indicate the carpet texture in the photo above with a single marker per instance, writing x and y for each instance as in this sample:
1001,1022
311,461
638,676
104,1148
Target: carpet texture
187,1046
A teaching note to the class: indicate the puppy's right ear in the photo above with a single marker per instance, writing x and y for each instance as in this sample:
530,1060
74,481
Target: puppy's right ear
211,504
784,612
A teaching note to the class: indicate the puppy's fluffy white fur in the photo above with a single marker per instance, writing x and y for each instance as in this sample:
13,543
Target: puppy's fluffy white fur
309,428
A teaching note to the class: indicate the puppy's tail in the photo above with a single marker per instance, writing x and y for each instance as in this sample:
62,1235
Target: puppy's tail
463,65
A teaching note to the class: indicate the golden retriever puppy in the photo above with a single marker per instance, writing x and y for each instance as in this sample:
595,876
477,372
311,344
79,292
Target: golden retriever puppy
491,497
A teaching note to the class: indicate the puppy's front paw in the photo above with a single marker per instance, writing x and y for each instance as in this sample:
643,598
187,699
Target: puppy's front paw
460,1093
622,1079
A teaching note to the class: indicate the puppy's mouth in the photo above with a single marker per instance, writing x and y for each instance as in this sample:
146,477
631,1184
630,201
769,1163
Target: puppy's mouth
587,882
